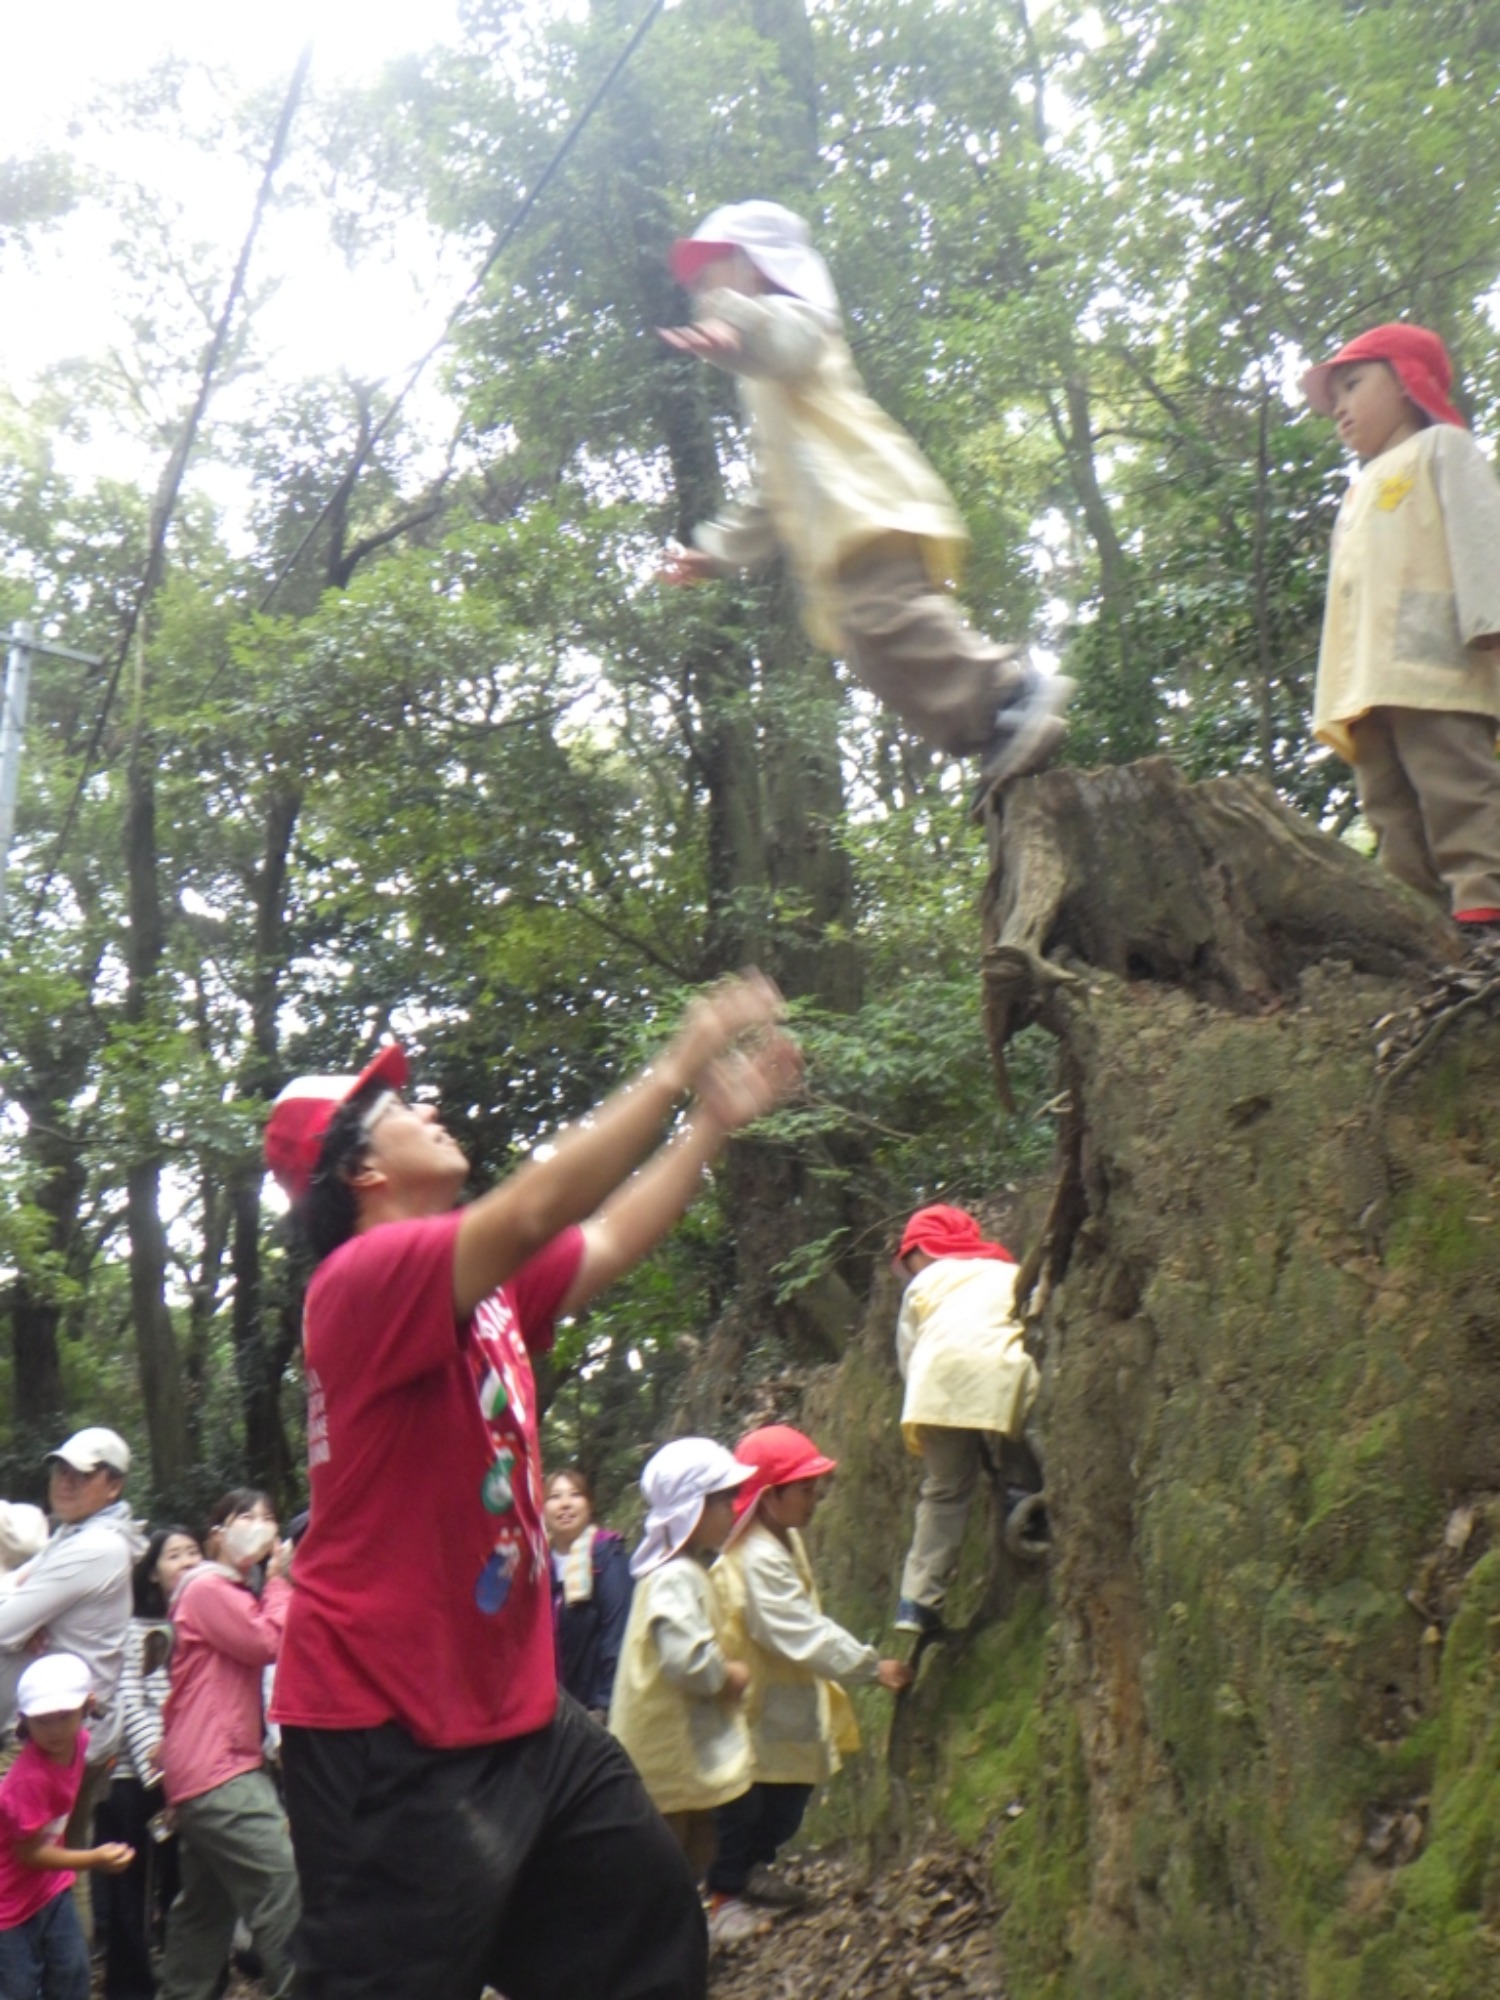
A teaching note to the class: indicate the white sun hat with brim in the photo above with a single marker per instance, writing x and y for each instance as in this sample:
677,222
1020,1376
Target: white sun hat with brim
23,1533
676,1482
56,1684
777,243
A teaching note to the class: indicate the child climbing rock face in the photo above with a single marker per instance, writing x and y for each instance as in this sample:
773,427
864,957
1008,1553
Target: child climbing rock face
871,532
799,1717
970,1385
676,1703
1408,686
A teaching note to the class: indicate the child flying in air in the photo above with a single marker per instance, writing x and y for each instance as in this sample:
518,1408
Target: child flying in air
871,532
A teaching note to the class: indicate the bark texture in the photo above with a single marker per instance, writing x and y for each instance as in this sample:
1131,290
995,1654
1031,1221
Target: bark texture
1250,1741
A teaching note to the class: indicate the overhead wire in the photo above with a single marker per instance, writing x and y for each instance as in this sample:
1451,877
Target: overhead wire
497,250
176,467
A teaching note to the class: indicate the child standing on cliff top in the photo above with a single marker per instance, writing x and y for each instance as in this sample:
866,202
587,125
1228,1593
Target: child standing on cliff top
969,1380
871,532
1408,687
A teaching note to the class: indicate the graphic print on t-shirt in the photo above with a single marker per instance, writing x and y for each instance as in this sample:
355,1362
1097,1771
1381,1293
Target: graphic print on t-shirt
503,1384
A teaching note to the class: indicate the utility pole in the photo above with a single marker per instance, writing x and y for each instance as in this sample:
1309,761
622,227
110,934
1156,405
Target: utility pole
23,643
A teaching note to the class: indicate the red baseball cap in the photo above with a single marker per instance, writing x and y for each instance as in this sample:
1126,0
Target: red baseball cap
302,1114
1418,357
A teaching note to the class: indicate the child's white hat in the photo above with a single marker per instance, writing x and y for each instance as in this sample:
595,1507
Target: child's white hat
23,1533
776,242
676,1482
56,1684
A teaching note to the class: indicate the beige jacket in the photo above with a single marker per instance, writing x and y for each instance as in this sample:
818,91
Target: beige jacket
800,1720
1413,579
669,1712
833,473
961,1350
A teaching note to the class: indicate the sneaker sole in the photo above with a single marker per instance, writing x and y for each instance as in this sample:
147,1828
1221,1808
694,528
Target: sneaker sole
1033,751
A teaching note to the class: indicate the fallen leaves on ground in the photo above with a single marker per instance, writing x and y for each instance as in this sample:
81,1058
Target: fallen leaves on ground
923,1931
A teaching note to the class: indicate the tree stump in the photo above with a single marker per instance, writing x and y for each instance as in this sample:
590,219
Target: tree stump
1216,888
1267,1302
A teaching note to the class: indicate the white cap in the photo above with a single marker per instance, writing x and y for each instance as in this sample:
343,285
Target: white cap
676,1482
56,1684
87,1451
776,242
23,1533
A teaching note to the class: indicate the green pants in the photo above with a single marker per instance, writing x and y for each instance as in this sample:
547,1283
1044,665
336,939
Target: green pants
236,1858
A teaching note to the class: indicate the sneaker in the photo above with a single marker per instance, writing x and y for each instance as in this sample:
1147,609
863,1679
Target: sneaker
1028,730
918,1618
731,1920
764,1885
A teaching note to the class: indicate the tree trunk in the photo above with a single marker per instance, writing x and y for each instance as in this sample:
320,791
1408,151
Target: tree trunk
260,1351
780,890
1267,1309
155,1335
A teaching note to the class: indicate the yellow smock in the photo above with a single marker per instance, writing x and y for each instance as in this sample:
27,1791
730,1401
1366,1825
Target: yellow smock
669,1712
961,1349
1414,578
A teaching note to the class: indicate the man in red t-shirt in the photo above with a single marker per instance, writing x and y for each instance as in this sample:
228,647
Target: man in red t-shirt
456,1821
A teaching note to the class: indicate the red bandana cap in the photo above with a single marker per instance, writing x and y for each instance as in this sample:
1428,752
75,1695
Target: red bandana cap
1418,357
776,1455
301,1116
949,1232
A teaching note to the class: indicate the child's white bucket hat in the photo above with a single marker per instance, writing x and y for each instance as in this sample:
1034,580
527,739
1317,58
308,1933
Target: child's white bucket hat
776,242
676,1482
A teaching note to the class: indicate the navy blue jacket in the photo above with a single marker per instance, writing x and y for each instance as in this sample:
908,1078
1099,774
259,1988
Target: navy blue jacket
589,1635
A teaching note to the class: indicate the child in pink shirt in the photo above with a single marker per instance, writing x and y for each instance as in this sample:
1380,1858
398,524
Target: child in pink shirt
42,1948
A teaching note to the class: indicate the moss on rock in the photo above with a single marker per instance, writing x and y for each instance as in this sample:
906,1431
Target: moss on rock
1272,1374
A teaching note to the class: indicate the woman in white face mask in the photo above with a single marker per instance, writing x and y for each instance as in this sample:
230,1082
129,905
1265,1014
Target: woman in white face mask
236,1854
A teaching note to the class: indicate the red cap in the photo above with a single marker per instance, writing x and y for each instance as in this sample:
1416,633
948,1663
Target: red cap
776,1455
687,257
1418,357
303,1112
949,1232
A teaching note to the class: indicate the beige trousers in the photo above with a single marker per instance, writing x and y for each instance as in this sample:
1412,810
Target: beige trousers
911,645
694,1834
1430,787
951,1464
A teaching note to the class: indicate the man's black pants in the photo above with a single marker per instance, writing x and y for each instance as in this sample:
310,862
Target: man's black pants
538,1866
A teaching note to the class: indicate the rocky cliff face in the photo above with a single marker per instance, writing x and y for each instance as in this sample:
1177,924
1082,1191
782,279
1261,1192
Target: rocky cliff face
1245,1741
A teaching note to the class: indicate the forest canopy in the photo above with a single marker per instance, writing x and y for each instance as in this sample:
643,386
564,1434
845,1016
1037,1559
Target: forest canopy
394,733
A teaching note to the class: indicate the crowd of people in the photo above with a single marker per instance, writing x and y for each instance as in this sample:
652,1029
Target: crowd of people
457,1740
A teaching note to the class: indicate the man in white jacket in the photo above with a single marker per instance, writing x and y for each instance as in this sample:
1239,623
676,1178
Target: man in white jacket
75,1597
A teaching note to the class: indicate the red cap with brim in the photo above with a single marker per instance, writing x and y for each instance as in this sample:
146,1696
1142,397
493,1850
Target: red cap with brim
776,1455
688,257
1414,352
302,1114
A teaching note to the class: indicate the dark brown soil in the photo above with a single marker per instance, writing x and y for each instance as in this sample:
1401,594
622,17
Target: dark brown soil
923,1931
